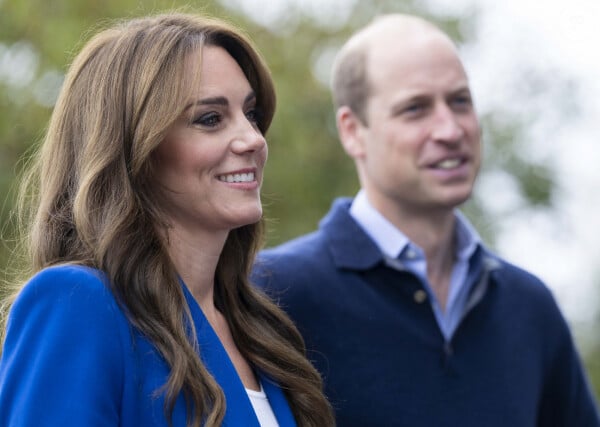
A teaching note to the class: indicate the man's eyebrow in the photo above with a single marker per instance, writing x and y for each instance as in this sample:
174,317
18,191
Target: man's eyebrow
462,89
408,99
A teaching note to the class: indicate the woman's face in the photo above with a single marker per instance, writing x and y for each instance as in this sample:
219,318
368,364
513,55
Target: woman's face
209,167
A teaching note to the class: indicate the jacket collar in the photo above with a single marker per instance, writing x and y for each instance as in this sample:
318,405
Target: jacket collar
350,246
239,410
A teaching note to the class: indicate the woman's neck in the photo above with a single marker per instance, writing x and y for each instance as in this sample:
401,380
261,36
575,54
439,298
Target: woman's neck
195,258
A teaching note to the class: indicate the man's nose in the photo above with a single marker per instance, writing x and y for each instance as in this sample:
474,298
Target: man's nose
446,126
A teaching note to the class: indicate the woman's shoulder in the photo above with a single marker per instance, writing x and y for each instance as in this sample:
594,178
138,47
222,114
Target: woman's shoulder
67,275
67,307
66,280
66,291
64,324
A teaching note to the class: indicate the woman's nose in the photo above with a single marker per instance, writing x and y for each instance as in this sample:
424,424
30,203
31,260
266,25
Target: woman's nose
248,138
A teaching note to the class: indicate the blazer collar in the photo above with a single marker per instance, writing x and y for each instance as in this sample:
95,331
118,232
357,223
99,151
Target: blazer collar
239,411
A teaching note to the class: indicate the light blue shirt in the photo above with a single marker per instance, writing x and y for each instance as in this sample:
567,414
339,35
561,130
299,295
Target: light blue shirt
395,245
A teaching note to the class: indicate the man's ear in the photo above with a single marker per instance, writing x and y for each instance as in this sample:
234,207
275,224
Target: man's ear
350,131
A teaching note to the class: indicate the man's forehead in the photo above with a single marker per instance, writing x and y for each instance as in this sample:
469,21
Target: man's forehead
415,52
397,26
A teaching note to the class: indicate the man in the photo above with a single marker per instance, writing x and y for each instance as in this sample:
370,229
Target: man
409,317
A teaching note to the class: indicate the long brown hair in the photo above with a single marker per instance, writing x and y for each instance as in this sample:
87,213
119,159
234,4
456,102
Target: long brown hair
91,202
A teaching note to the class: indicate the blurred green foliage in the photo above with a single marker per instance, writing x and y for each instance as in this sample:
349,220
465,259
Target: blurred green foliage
306,168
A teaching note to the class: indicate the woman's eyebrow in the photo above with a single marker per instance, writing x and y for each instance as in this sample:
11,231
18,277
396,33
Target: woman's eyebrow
217,100
250,97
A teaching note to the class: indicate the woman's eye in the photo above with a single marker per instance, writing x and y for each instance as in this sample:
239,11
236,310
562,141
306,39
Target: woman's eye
253,115
211,119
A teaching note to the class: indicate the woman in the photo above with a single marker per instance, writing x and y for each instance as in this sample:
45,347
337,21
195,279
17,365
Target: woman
146,220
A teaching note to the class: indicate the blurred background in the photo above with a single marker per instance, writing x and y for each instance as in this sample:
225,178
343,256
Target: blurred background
535,74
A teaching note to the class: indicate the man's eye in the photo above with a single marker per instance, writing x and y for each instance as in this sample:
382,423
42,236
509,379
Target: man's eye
414,108
209,119
462,101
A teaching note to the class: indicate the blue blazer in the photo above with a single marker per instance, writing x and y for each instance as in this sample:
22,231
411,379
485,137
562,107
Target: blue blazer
72,358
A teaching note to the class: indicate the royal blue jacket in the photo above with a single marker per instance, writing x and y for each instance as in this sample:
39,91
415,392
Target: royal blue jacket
371,332
71,358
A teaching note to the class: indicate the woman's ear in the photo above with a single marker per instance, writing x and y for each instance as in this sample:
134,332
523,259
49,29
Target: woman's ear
350,131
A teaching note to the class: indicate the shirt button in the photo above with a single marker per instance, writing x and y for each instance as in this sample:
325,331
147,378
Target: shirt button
420,296
411,254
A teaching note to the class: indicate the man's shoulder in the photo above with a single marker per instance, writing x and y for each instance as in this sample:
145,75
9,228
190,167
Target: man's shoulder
507,271
339,240
306,244
522,284
296,255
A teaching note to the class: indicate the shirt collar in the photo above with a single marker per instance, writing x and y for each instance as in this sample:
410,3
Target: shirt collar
468,240
392,241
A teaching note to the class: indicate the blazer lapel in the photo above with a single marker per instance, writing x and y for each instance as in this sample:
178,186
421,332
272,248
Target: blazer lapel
239,411
278,402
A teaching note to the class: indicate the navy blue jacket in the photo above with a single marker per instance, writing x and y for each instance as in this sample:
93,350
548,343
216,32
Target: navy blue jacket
72,358
374,337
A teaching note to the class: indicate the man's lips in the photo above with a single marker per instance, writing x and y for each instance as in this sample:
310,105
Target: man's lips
448,163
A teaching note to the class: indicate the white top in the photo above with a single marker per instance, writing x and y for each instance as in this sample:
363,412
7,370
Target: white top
262,408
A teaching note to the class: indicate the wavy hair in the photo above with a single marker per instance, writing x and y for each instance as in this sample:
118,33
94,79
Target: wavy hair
87,199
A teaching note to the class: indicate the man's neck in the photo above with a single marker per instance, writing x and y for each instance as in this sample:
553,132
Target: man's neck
434,233
437,239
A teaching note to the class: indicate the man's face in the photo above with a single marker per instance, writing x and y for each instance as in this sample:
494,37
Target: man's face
420,145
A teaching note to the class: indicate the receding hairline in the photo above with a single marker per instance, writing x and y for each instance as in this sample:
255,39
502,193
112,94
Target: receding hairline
350,71
398,24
